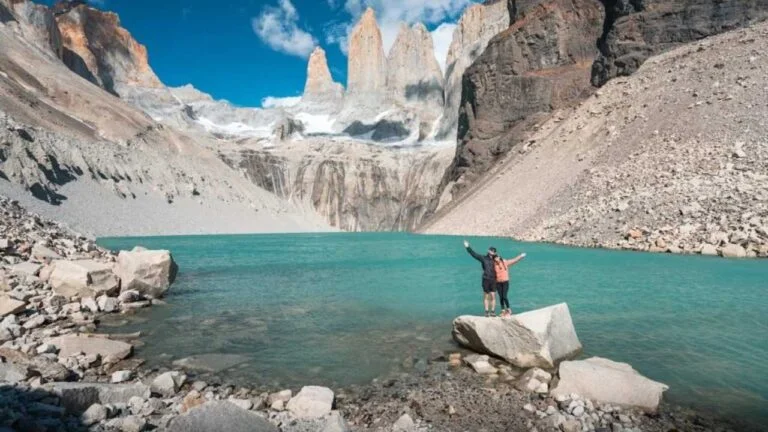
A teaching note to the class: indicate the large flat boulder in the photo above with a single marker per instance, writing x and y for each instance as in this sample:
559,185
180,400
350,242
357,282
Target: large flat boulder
76,397
220,416
539,338
9,306
108,349
83,278
607,381
150,272
311,402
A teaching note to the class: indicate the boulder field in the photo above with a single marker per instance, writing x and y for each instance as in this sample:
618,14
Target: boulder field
546,339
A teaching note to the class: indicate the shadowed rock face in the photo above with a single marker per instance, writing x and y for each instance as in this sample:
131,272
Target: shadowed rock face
638,29
413,74
478,24
541,63
100,50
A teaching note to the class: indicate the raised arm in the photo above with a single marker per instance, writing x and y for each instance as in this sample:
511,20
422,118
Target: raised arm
514,261
474,254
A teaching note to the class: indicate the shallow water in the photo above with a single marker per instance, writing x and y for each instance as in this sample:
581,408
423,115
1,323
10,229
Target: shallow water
339,309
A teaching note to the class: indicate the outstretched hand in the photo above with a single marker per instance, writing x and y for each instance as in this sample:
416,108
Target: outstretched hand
466,244
523,255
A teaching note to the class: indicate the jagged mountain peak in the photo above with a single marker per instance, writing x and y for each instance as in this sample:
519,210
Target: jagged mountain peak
367,64
320,91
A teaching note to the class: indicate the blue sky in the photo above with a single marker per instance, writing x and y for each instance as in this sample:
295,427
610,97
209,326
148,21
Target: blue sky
247,50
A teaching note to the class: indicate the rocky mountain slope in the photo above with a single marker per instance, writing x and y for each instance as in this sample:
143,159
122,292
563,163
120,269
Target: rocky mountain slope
69,148
636,30
672,158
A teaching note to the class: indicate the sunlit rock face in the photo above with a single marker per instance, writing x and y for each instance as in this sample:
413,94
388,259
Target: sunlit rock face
367,65
98,48
321,93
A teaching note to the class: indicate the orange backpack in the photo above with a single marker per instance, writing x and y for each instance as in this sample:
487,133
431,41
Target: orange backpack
502,271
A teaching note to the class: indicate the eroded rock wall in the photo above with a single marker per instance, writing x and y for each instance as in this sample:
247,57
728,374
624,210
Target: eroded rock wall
355,187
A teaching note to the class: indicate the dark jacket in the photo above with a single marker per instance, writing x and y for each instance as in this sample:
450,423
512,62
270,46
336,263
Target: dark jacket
489,270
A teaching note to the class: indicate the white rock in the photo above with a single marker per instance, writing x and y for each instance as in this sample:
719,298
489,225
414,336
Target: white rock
606,381
46,349
34,322
89,304
534,380
9,306
245,404
404,424
26,268
284,396
708,250
84,278
481,364
311,402
733,251
149,272
108,304
168,383
94,414
42,253
538,338
121,376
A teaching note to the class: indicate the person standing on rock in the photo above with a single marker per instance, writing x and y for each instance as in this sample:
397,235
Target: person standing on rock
502,281
489,278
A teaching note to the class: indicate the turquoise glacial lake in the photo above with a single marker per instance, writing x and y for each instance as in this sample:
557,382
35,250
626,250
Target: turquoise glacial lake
341,309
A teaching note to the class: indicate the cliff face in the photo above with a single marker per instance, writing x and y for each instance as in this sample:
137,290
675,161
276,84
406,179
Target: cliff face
367,65
477,25
413,75
100,50
355,187
638,29
539,64
320,89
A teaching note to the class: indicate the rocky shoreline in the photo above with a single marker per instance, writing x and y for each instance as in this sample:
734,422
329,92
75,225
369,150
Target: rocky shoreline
58,373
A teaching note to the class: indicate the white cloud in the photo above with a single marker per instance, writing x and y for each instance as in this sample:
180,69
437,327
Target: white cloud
278,27
390,14
280,102
338,34
442,37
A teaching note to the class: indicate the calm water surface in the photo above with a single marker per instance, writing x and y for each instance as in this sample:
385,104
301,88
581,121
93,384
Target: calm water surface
339,309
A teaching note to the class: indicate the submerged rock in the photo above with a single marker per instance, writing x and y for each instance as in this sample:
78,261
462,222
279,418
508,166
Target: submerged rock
210,362
538,338
150,272
606,381
220,416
